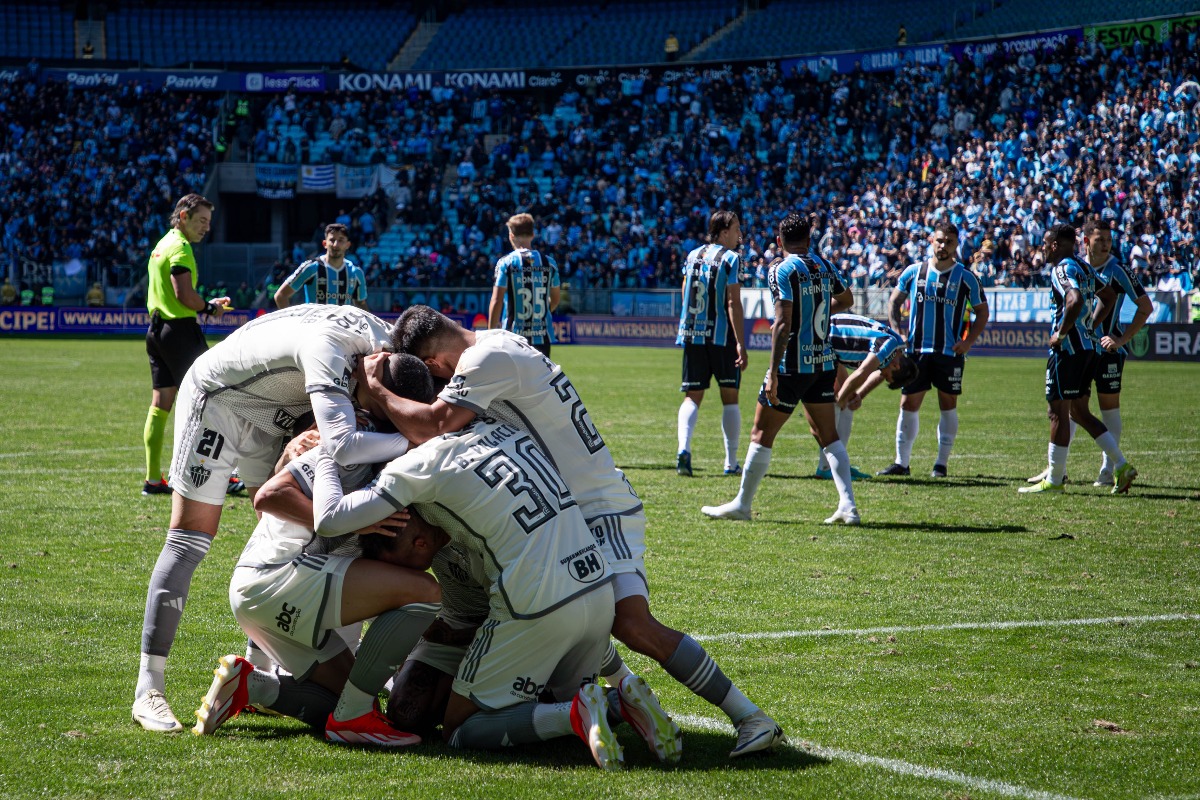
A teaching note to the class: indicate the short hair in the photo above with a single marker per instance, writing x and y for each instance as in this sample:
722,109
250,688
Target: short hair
1062,232
407,376
375,545
1093,225
720,221
418,328
906,372
337,227
794,229
189,203
520,225
947,227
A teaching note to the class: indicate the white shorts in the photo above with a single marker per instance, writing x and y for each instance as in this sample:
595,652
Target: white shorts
210,441
624,536
292,612
514,660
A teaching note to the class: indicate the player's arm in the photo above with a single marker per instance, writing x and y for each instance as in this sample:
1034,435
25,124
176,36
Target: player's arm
895,309
282,497
299,276
336,513
283,295
841,301
496,306
733,302
555,296
181,282
781,331
855,383
1145,307
417,421
1106,299
555,284
1072,305
340,434
978,323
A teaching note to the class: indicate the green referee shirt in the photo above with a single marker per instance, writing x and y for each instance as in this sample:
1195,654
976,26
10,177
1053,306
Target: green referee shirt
172,251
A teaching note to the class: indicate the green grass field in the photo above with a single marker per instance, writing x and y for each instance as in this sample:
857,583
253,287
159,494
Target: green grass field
964,642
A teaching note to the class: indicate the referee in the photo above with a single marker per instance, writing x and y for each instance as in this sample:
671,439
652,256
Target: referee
174,339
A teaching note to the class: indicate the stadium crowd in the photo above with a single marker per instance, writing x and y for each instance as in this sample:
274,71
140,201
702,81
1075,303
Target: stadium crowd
625,177
93,173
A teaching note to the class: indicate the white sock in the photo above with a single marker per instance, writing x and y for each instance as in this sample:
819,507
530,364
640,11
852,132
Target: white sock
1112,421
151,671
737,705
1112,451
263,688
731,429
839,463
1074,427
907,427
843,421
688,412
1058,462
257,656
354,702
552,720
758,459
947,432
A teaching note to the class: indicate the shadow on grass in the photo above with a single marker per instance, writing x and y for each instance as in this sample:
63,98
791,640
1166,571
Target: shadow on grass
933,527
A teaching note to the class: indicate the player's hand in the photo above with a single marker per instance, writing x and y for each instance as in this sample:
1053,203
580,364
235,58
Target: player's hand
1110,344
1055,340
855,402
743,359
301,445
222,304
369,371
961,348
771,388
390,527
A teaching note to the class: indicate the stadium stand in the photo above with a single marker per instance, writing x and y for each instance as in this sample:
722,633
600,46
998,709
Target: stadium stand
35,30
1034,15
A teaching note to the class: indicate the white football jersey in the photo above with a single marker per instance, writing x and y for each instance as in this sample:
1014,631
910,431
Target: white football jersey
463,578
265,370
501,376
278,541
494,492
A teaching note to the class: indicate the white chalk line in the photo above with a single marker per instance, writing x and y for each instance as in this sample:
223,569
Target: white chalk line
891,764
950,626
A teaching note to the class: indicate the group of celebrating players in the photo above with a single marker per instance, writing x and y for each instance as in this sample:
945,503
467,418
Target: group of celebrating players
376,454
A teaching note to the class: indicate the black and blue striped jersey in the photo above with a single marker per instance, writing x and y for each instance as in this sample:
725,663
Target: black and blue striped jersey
527,277
1118,276
1072,273
809,283
853,338
707,273
938,305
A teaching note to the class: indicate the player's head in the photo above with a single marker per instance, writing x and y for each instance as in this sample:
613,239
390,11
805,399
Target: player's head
1059,242
945,240
337,240
407,376
192,216
900,371
413,546
793,233
725,229
1099,239
432,337
520,229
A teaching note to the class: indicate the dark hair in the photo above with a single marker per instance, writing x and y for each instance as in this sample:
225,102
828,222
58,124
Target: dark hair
375,545
906,372
947,227
189,203
337,227
1093,225
1062,232
418,328
408,377
720,221
794,229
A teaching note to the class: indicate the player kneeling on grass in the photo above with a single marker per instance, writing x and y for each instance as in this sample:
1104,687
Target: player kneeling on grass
550,599
292,589
876,354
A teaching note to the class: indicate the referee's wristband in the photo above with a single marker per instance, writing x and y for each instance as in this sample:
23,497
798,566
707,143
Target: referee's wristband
210,307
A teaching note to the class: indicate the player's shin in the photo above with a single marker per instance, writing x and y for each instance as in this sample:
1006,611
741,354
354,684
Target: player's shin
167,595
384,648
839,465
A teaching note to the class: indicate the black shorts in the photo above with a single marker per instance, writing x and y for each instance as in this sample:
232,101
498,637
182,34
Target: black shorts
704,361
809,387
937,370
1069,377
1109,369
173,344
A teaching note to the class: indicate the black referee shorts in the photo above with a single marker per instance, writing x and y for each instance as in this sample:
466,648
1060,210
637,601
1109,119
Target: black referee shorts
172,344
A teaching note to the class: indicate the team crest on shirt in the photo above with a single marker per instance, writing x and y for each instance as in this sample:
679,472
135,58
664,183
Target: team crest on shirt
199,475
284,420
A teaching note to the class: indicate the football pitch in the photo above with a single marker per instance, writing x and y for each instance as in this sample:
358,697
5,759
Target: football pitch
965,641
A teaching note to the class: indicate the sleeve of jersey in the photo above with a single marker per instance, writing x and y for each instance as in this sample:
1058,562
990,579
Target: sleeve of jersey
736,273
781,287
340,435
975,292
360,292
302,275
906,278
1065,279
483,375
501,273
1127,283
885,348
335,513
183,258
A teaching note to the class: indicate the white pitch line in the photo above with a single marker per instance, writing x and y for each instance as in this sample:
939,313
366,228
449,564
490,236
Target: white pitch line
951,626
891,764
